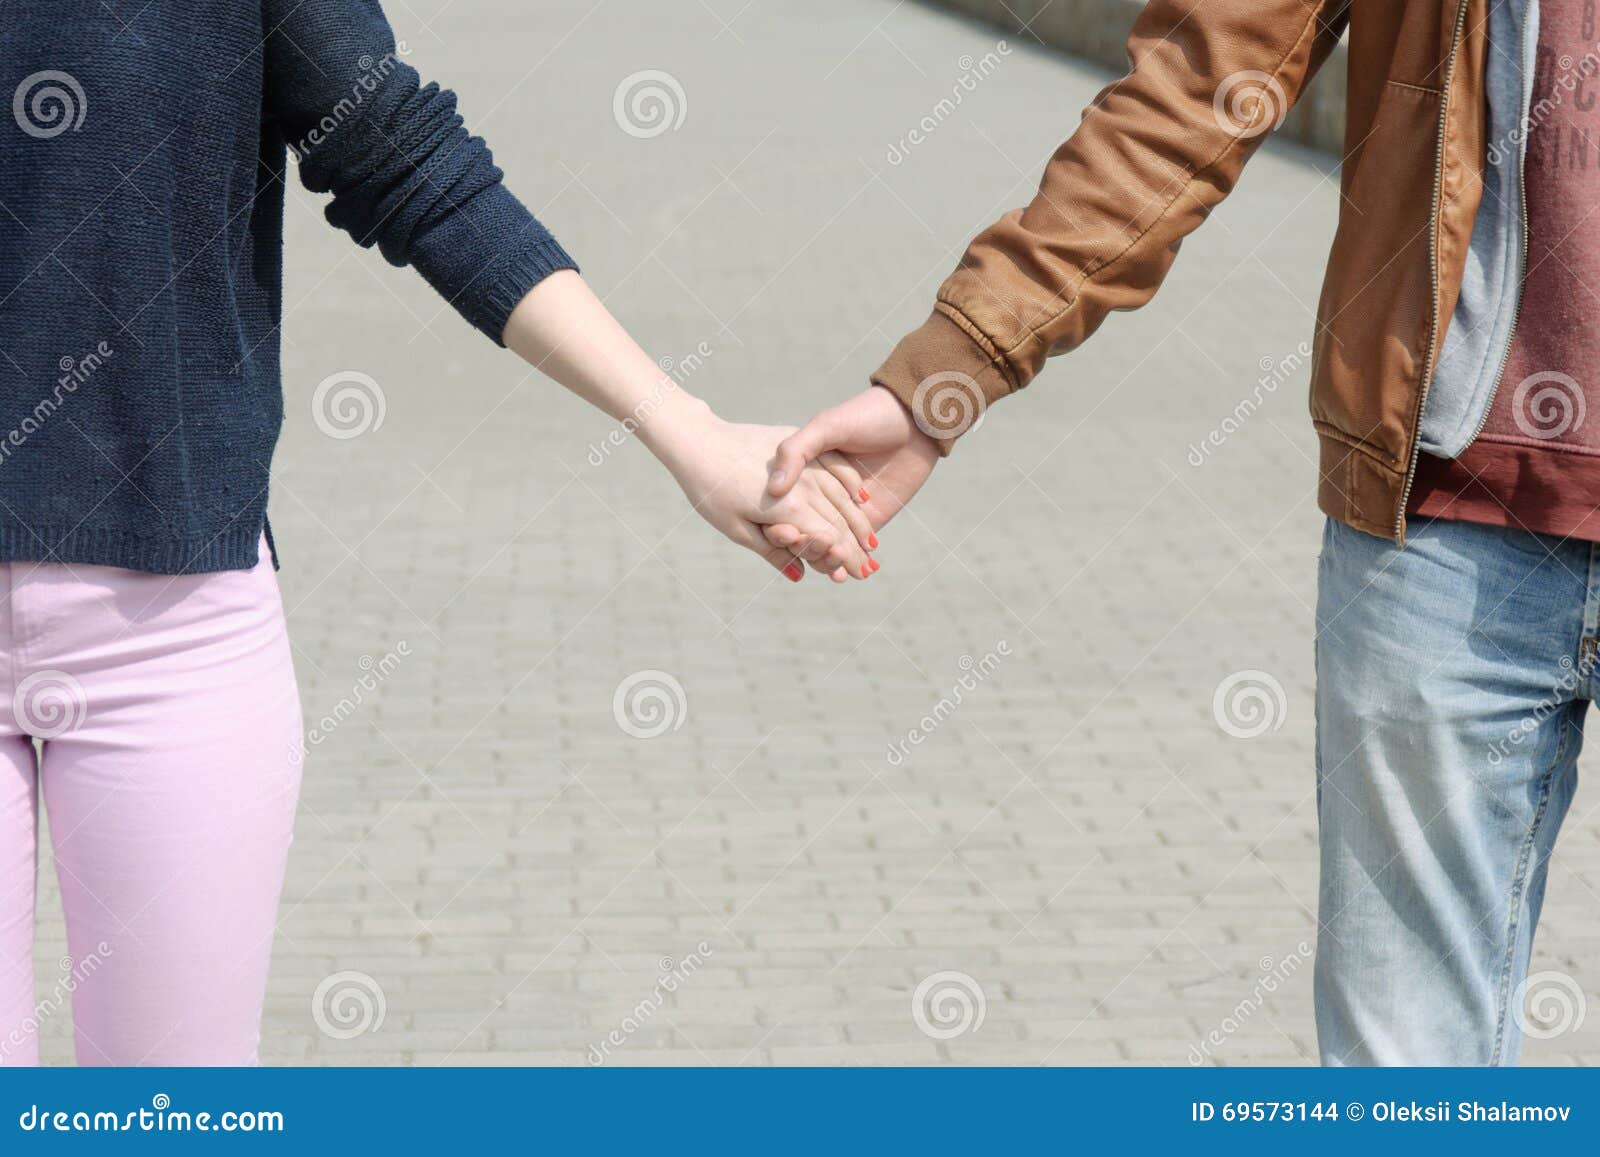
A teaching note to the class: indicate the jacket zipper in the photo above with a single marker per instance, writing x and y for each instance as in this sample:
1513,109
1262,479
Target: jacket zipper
1433,272
1522,270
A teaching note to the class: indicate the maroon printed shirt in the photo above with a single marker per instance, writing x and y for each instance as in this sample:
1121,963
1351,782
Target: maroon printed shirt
1536,465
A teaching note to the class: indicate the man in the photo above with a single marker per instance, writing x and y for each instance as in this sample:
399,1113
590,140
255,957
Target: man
1454,367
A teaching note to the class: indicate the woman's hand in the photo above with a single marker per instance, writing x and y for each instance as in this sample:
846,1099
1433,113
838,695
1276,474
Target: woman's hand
561,328
723,469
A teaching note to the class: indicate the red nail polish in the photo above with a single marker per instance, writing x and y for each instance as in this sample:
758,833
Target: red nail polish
865,497
792,572
876,565
872,541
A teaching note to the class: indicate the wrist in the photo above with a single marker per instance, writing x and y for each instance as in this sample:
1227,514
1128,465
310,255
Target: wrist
678,423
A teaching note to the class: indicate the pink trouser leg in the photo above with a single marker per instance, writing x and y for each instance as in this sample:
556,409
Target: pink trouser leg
169,769
19,821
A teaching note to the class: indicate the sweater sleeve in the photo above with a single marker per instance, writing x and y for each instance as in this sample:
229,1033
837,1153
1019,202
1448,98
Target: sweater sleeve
404,172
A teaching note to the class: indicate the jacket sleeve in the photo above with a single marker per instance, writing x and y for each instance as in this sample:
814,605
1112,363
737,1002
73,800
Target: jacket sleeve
404,172
1156,151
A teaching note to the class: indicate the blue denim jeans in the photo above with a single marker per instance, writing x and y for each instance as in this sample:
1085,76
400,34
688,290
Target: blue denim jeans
1452,681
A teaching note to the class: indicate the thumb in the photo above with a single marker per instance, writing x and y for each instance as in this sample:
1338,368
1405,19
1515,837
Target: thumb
796,450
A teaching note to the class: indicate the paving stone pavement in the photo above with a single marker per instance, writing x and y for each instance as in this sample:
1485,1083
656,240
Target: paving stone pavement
1077,850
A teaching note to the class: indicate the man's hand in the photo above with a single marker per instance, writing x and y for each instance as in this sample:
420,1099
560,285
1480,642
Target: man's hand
723,467
878,434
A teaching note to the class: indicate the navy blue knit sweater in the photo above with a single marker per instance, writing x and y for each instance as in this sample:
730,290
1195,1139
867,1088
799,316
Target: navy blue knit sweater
142,169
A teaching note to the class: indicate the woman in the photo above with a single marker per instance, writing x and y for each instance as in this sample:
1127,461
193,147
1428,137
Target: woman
142,638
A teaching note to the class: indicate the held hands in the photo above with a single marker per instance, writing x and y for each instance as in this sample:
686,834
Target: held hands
723,469
563,329
811,502
878,436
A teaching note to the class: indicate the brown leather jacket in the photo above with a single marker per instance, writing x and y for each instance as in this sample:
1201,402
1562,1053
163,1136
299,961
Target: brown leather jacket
1162,146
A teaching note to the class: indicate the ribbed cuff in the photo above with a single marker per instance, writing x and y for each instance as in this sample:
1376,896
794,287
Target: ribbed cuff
945,377
515,274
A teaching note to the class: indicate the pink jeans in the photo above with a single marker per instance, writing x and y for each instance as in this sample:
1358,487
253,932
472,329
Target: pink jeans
169,750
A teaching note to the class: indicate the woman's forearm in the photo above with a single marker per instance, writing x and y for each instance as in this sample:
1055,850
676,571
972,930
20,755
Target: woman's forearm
565,331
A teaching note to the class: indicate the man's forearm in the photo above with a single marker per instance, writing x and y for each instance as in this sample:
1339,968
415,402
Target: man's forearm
1157,151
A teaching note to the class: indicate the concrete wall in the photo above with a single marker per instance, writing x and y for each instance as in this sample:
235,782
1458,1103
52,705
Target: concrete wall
1098,30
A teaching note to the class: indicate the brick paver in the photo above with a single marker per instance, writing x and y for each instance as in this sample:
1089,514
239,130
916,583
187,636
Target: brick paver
511,875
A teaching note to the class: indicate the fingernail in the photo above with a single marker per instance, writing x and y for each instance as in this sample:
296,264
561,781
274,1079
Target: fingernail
872,541
779,476
865,497
876,565
792,573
